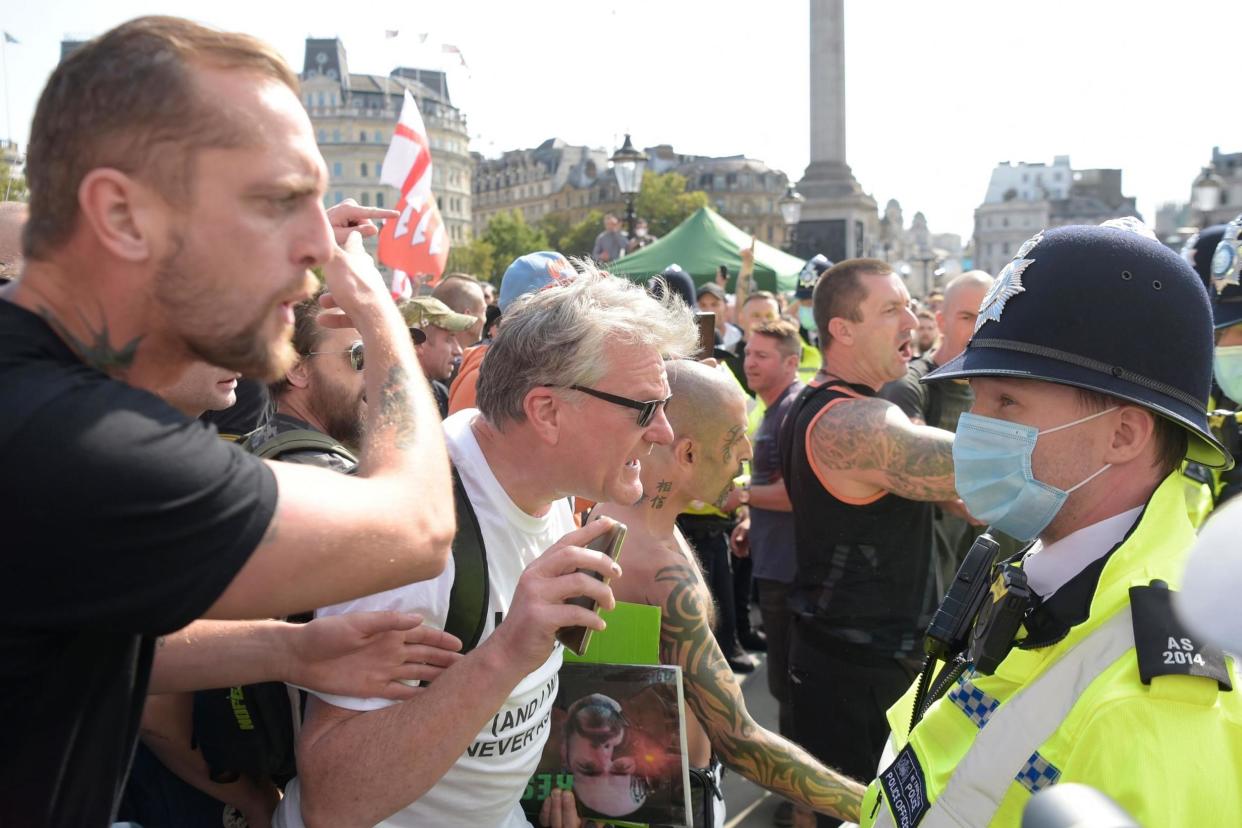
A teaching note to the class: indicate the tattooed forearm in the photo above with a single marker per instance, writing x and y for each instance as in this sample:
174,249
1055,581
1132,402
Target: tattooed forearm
99,353
858,435
396,407
715,698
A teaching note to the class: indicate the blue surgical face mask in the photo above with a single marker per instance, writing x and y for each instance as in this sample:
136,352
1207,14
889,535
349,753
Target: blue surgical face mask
807,317
992,468
1227,366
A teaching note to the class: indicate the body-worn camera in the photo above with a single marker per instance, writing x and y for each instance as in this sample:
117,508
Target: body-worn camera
999,618
950,628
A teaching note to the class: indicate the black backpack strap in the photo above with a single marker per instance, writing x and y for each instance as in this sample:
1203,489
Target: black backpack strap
300,439
469,597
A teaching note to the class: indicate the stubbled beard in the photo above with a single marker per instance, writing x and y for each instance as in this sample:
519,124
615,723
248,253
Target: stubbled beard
182,292
340,411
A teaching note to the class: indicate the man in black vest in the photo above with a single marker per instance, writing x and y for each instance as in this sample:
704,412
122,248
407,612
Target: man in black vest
939,404
862,479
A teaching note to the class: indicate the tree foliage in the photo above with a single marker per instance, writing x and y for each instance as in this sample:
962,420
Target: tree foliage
12,189
510,236
569,238
476,257
664,202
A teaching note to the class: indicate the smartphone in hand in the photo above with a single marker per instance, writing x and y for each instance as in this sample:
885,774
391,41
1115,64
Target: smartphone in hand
707,333
577,638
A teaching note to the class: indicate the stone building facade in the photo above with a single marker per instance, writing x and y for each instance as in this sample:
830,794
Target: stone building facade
353,116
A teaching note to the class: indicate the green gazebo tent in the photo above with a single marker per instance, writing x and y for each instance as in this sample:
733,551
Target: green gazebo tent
703,242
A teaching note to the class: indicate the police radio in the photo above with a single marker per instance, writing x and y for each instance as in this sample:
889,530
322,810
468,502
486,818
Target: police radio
999,618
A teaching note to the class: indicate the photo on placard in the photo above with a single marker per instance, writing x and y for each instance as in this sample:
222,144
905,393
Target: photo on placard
618,741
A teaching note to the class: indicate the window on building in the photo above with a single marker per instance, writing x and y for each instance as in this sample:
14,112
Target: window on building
362,136
323,136
320,99
1005,221
336,136
363,169
379,138
379,199
379,167
338,198
337,170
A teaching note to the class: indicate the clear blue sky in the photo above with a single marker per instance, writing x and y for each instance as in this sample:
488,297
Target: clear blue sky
937,93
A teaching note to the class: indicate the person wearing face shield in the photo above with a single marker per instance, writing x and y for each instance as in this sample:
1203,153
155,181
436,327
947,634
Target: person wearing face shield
1091,367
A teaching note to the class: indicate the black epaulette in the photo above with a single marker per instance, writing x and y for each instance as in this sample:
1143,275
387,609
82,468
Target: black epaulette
1163,644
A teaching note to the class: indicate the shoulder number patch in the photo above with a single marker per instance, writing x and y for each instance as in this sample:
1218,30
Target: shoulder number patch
1163,644
906,789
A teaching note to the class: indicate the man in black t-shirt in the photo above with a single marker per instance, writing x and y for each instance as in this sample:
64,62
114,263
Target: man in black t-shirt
175,214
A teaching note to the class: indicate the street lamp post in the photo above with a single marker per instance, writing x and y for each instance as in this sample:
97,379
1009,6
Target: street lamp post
628,165
1205,192
791,212
925,258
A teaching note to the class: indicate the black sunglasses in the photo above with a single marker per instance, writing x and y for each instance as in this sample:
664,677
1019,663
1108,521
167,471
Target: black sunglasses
356,355
646,410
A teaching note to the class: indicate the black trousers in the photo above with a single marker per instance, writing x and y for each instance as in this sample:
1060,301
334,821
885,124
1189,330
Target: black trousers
777,621
742,586
839,699
710,539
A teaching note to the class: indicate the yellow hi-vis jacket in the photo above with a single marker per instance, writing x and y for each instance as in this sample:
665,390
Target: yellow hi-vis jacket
1169,752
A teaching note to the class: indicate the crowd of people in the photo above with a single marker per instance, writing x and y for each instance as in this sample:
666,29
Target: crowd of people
232,460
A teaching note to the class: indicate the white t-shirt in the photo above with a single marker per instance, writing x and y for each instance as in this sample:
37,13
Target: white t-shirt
484,787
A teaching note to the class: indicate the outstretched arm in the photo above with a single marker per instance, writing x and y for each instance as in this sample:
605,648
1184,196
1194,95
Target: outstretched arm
714,696
871,442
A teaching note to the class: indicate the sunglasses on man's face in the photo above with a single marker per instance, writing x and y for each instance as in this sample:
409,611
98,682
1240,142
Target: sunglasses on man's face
646,410
356,355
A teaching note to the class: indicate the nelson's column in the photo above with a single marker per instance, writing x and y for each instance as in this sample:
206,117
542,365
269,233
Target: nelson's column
838,218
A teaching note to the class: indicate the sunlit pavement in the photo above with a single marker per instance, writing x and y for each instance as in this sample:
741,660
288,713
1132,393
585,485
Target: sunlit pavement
747,805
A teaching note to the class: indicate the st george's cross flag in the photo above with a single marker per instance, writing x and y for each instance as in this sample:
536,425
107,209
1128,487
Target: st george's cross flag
414,243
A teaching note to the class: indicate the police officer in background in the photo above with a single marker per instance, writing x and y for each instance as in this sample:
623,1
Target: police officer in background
1091,368
1215,253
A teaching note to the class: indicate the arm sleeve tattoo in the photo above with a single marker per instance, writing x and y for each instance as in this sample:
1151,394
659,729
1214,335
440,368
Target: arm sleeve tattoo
915,462
714,696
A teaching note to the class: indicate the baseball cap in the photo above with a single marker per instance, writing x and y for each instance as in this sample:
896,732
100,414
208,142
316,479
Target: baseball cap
422,311
531,273
713,289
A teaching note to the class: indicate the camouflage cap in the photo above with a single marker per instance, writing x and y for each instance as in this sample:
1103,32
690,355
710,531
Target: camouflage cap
422,311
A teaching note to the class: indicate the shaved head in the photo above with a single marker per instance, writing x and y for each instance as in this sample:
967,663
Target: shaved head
705,401
964,282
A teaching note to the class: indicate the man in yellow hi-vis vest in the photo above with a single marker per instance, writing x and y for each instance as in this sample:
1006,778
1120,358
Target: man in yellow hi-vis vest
1091,366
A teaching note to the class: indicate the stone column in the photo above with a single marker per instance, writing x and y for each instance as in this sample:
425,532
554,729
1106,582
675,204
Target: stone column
838,218
828,81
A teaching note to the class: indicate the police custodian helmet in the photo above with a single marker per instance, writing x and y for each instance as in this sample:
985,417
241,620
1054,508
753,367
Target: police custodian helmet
1227,275
1105,309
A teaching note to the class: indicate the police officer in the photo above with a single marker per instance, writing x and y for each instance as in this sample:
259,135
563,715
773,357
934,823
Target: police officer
1091,367
1226,293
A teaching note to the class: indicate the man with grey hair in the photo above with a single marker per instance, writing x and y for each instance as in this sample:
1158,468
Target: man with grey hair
571,400
940,404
